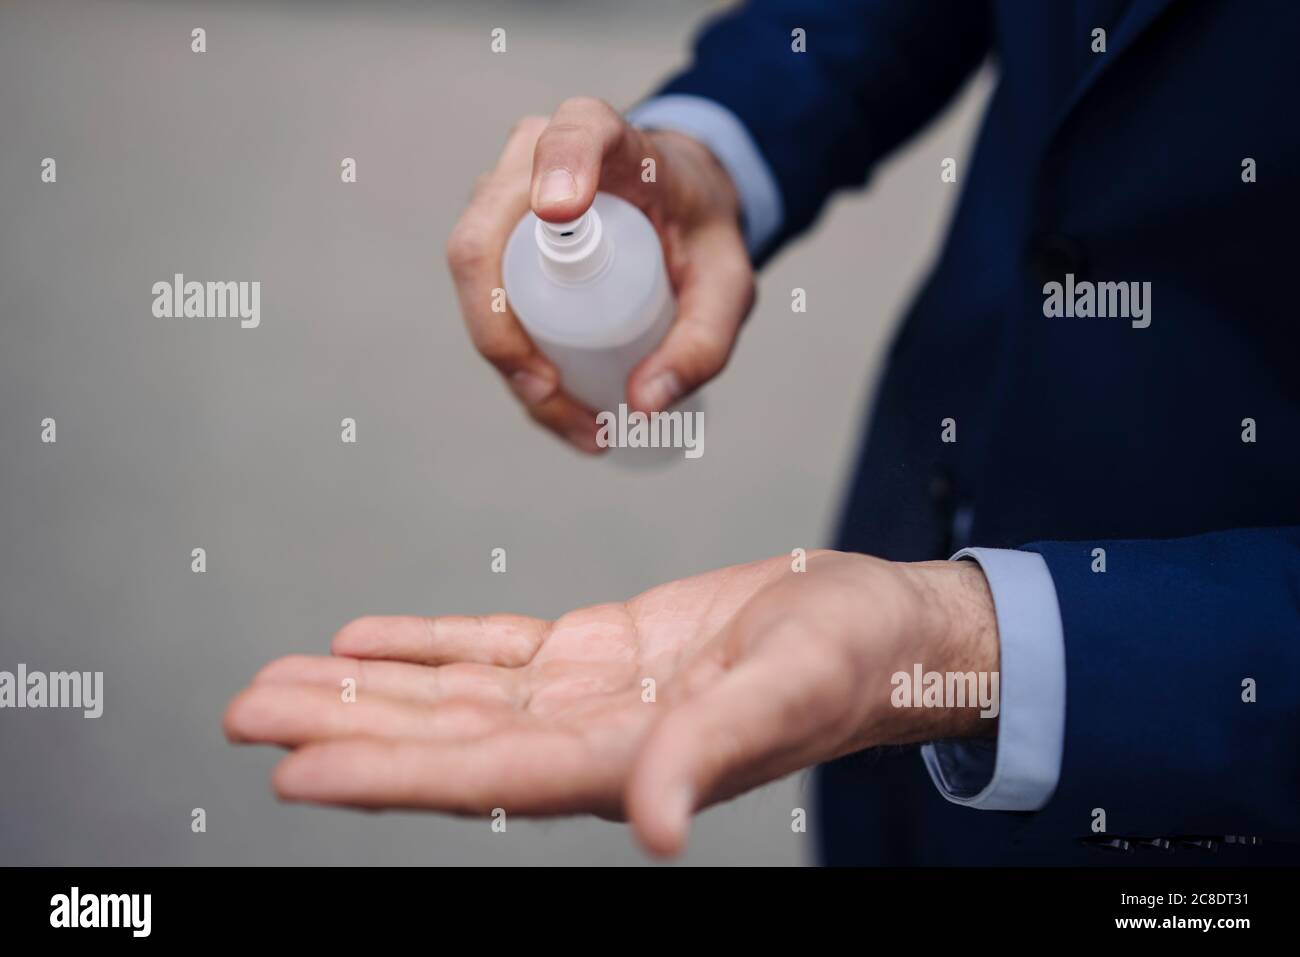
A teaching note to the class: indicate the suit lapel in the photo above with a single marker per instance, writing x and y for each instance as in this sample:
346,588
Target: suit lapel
1137,16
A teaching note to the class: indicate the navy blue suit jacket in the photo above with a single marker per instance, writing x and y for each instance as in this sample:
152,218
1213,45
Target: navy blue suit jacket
1077,434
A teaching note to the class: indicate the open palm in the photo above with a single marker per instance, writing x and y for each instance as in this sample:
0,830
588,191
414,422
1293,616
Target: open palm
687,694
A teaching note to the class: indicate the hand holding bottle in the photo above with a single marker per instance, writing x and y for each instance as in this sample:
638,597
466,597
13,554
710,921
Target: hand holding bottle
556,167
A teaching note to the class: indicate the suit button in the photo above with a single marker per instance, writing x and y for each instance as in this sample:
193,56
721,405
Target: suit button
940,488
1050,257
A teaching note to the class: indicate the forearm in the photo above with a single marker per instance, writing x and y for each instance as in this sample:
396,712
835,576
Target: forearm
831,87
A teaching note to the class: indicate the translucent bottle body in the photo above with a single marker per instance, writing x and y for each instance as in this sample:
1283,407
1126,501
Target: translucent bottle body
592,294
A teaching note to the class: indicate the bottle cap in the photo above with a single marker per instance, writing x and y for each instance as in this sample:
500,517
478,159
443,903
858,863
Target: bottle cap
573,251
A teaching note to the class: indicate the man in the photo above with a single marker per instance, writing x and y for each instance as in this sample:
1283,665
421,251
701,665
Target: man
1095,387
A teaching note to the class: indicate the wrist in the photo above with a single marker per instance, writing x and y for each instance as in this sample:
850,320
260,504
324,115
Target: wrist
958,628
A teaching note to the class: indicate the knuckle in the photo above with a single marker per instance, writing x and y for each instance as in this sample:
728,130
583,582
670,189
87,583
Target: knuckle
558,133
497,340
468,246
737,271
709,347
706,357
482,183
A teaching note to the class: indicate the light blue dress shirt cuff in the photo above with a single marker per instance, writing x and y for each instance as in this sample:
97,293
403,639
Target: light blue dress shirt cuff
726,137
1018,771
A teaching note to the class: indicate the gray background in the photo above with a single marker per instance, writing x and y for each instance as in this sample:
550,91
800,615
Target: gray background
177,434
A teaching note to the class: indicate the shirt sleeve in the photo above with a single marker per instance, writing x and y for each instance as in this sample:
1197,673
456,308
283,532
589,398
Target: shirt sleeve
1019,770
726,137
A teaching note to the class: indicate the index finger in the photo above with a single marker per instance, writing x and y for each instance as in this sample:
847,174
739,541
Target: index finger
506,640
474,252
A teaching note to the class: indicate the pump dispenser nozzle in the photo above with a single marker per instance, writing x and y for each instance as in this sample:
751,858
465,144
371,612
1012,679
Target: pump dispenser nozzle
573,251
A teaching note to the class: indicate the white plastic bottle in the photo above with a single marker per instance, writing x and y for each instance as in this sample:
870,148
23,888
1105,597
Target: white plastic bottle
593,294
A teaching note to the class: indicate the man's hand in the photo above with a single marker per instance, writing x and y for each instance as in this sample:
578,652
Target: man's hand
649,709
556,166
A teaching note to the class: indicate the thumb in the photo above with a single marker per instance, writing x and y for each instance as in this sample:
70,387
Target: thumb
734,735
582,135
715,293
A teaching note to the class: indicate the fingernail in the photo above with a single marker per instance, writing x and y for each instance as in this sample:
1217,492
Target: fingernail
662,391
531,387
557,185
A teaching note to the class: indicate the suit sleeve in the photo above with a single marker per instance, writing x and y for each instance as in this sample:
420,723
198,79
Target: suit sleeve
871,73
1182,662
